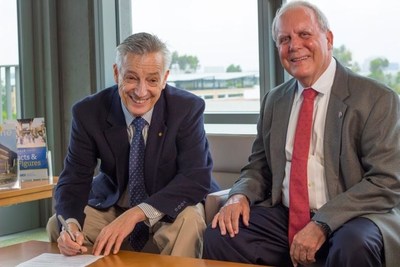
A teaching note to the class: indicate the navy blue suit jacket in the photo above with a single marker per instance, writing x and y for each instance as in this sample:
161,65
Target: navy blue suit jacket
177,159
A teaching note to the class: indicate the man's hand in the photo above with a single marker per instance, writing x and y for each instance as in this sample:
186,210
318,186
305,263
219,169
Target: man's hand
69,247
112,236
228,216
306,243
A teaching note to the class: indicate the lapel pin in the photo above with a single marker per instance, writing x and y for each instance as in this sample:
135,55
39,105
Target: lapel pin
160,134
340,114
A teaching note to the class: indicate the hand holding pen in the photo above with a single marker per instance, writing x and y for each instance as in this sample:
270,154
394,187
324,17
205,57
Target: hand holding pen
70,240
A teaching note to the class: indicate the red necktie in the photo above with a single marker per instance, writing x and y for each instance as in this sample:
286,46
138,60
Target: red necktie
299,208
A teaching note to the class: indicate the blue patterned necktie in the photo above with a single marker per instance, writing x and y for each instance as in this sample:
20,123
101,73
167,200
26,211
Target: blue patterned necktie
137,189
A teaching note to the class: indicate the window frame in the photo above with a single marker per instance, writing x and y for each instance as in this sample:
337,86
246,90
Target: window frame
44,92
271,72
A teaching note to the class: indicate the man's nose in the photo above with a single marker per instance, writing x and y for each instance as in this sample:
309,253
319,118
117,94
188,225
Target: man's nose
295,43
141,90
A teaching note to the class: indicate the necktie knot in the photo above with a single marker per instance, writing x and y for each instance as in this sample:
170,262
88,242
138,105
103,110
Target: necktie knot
309,93
139,124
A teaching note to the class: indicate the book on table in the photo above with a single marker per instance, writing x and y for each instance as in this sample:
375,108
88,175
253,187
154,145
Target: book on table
9,173
32,149
23,152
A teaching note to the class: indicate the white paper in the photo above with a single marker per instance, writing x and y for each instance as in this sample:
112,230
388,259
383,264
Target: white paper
59,260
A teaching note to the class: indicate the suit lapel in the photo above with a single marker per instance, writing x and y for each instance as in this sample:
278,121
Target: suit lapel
279,125
333,129
155,141
116,135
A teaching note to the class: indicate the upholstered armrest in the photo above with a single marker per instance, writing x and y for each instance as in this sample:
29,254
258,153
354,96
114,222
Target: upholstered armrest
214,202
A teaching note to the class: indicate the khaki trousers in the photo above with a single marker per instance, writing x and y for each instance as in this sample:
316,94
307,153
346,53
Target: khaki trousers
183,237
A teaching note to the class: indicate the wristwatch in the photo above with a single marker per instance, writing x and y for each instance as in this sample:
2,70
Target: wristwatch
324,227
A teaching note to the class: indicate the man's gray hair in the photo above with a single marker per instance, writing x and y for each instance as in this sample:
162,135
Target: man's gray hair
140,44
321,18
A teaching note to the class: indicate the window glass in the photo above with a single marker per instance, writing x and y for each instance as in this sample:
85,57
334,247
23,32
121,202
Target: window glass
366,37
214,46
8,60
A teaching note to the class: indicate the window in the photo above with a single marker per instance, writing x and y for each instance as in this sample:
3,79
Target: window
9,71
366,37
214,46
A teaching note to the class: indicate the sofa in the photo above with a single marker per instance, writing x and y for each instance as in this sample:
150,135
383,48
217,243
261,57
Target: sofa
229,153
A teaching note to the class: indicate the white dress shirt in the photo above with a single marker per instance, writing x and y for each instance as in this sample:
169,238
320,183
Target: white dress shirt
317,189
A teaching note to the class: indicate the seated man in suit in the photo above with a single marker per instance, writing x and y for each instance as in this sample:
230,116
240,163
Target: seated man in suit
155,165
323,179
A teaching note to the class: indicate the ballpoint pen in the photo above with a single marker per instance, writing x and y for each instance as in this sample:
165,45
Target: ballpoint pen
66,227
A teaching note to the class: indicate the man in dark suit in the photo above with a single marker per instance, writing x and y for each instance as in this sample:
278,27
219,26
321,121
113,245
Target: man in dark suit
352,163
177,164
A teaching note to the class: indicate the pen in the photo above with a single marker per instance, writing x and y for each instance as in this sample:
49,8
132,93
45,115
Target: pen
66,227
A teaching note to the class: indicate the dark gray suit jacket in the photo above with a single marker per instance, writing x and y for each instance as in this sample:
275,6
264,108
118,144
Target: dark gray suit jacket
361,154
177,159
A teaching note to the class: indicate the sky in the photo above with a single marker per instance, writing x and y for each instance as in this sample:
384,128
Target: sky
213,30
223,32
226,30
367,28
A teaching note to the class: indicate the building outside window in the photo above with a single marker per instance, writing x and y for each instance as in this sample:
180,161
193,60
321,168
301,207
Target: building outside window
214,47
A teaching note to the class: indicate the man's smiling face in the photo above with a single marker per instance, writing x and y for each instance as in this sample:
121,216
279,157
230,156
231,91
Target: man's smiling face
140,79
304,49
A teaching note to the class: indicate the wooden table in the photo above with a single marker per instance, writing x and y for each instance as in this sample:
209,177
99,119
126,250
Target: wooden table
30,190
15,254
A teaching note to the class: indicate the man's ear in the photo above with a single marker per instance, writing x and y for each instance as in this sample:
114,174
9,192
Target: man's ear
329,37
116,73
165,78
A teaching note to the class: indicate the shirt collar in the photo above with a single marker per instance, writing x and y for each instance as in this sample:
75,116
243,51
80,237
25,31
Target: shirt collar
129,117
324,83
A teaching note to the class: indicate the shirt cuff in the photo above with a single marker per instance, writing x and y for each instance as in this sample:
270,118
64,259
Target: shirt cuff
75,221
153,215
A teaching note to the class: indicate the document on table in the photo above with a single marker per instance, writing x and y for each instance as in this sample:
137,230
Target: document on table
59,260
